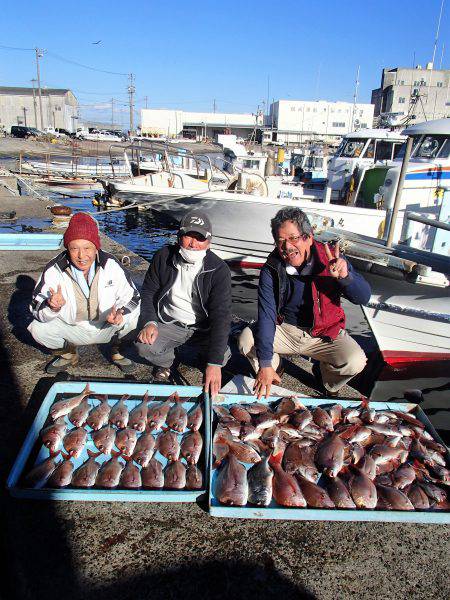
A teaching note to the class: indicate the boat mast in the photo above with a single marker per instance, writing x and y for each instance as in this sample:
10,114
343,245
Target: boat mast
355,96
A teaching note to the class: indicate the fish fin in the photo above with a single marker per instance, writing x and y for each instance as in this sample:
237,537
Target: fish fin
65,456
115,453
87,390
348,432
125,397
364,402
91,453
54,454
127,458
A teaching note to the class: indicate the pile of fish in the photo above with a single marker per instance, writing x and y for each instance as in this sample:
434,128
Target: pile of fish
109,445
356,457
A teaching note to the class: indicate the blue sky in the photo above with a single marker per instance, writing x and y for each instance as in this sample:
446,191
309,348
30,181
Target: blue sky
185,54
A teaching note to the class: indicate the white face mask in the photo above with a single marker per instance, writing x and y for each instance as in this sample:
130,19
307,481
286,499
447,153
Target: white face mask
192,256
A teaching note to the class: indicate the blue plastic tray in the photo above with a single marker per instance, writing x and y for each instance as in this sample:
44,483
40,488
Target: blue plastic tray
275,511
114,390
30,241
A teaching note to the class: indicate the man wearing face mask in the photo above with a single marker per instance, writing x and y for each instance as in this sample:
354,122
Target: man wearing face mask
186,296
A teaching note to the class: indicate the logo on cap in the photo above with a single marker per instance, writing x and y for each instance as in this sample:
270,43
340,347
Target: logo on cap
197,221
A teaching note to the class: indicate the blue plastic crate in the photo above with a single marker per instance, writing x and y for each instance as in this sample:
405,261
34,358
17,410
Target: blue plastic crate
275,511
30,241
115,390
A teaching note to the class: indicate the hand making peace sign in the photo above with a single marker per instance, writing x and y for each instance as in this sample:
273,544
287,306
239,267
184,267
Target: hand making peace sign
337,265
56,300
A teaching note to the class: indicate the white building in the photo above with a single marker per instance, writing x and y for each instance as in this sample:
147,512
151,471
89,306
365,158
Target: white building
296,121
21,106
422,94
171,123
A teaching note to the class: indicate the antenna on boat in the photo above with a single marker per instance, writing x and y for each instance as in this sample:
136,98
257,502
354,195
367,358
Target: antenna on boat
437,32
355,96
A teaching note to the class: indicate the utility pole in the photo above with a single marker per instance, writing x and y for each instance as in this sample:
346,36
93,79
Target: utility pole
146,101
131,90
39,54
25,115
214,105
112,113
33,81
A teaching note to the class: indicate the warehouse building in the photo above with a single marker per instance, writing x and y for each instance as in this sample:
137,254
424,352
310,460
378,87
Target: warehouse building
22,106
197,125
297,121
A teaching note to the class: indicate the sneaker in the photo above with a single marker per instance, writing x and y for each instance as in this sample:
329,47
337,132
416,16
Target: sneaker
162,375
62,363
124,364
320,387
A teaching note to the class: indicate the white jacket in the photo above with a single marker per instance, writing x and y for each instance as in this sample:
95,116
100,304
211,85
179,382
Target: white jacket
115,287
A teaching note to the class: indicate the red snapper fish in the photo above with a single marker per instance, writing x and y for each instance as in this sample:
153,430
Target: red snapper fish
86,474
156,414
175,476
52,435
130,477
195,418
74,441
138,416
194,478
191,447
126,440
39,475
63,407
177,417
330,455
104,439
152,475
144,449
109,473
119,414
99,414
168,445
231,485
79,414
286,489
62,475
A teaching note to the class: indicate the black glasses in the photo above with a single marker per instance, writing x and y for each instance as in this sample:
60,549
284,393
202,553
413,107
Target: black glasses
293,239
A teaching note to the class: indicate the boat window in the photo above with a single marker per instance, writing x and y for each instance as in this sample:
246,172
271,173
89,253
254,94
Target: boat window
370,150
250,164
397,148
430,146
444,151
384,150
351,148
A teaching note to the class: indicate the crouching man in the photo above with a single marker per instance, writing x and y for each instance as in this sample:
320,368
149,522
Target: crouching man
299,308
83,297
186,298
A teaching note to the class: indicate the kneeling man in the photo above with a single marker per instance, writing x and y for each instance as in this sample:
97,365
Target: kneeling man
83,297
299,308
186,298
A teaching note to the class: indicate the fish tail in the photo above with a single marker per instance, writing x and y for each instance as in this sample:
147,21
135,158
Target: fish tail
87,390
277,456
54,454
116,453
65,456
349,431
175,397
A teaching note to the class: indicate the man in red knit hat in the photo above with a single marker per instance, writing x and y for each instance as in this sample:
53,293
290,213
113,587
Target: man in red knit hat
83,297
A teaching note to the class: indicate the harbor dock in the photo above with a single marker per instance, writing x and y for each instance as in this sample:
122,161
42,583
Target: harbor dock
72,550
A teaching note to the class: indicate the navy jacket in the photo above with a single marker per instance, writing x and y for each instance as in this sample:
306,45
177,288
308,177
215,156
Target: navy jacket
328,315
212,286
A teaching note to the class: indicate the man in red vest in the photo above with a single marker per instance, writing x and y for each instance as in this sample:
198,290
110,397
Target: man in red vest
299,308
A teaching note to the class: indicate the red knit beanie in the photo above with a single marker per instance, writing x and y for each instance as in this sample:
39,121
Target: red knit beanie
82,227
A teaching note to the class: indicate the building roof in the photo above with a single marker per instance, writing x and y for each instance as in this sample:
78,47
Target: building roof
379,134
25,91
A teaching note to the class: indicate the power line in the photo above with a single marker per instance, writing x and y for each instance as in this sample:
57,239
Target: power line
73,62
14,48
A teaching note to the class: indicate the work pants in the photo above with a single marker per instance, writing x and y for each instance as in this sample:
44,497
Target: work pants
340,359
57,334
170,336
